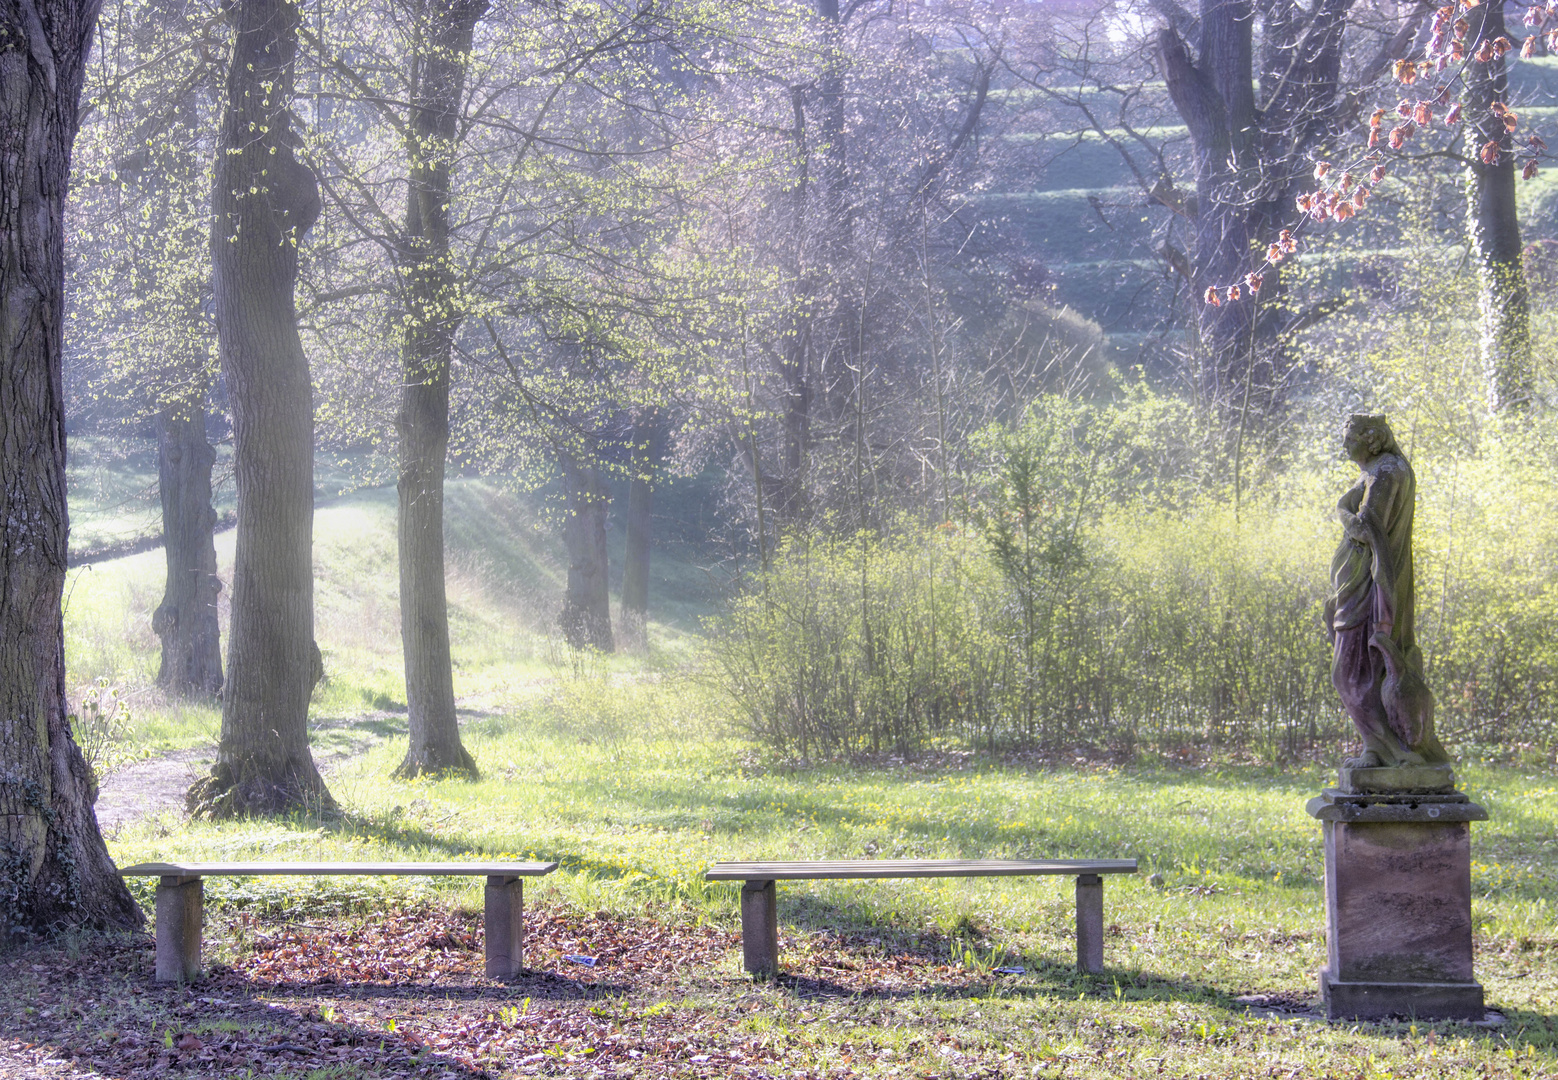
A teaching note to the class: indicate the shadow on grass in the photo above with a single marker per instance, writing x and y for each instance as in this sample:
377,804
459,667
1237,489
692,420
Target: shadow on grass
1046,979
345,823
1522,1027
1058,982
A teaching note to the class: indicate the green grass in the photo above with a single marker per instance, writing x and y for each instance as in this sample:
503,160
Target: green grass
628,773
630,786
112,486
505,576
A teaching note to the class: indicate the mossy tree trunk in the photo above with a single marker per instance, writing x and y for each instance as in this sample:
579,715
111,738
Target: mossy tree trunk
54,868
263,201
1494,223
444,32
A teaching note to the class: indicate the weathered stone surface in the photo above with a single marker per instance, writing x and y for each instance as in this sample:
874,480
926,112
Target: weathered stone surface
1376,664
1397,833
760,927
1378,1001
1398,918
1334,805
1402,779
180,912
503,919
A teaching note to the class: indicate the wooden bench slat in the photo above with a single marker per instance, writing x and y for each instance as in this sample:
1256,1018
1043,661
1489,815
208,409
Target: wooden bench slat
321,869
911,868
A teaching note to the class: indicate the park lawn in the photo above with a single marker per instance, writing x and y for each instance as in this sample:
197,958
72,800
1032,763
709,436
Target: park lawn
628,773
631,787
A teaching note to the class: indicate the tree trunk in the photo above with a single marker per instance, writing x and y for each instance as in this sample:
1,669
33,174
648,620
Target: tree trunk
1215,95
795,367
818,349
186,618
647,450
586,615
433,319
1494,222
263,201
837,365
54,868
1249,160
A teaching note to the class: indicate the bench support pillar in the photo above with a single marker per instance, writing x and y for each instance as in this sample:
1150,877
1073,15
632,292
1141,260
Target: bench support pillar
760,927
180,905
1090,923
505,926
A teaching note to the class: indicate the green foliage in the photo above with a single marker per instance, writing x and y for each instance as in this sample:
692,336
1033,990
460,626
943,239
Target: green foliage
1092,599
630,784
857,643
99,725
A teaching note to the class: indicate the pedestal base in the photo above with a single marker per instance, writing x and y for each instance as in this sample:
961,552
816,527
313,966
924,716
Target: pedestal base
1398,906
1418,1001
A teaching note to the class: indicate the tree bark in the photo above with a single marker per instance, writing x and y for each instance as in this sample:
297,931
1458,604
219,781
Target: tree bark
837,365
1494,223
433,318
1220,132
263,201
647,450
54,868
1249,158
586,614
795,366
186,618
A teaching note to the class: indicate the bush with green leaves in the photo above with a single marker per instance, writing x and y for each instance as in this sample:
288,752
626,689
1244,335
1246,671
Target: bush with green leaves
1087,599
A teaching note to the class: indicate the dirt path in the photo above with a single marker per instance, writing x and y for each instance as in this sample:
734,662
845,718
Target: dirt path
149,788
157,785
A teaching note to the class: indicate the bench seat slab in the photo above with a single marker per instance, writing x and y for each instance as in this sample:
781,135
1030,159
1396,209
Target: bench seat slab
824,869
327,869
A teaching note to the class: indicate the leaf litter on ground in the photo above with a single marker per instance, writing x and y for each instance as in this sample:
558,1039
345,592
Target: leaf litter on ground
401,994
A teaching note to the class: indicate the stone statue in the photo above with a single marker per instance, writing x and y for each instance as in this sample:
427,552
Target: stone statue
1376,665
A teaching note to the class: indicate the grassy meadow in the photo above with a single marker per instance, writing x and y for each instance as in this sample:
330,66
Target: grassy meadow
628,772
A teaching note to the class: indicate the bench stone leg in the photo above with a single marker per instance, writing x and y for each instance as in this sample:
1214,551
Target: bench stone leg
760,927
180,905
1090,923
505,926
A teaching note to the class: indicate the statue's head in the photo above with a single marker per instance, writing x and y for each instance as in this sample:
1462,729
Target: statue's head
1367,437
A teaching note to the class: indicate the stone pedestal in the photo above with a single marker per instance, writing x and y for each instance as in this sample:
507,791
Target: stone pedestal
1398,901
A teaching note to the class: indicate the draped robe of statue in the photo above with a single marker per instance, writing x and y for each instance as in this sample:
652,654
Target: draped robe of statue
1376,664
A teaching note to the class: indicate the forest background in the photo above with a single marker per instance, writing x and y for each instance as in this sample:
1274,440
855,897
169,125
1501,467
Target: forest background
900,312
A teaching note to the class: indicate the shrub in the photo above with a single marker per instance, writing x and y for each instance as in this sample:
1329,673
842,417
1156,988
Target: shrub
1077,604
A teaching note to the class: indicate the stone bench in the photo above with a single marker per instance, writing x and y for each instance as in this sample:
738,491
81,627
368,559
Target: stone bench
181,901
759,910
